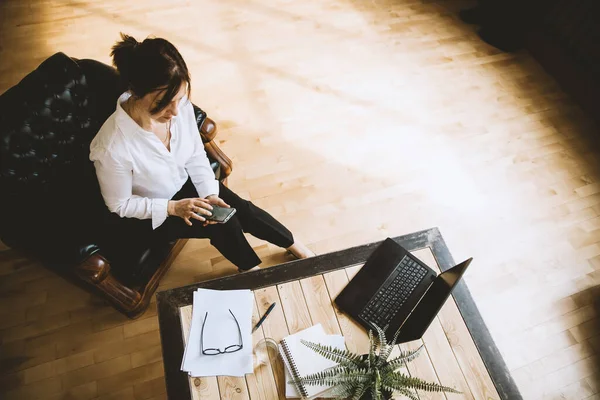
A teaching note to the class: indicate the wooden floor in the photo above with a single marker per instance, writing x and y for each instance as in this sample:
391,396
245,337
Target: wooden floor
350,121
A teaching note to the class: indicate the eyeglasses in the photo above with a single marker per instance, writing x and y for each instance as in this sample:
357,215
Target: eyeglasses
229,349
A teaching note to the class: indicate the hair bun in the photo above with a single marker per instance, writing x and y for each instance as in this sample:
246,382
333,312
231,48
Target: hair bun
123,53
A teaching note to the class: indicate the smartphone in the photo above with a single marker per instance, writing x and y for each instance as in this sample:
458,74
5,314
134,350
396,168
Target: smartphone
220,214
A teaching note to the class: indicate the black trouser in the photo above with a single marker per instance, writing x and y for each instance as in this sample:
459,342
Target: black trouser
228,238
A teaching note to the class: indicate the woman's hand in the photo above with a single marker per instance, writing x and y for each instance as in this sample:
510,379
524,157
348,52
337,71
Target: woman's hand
189,209
217,201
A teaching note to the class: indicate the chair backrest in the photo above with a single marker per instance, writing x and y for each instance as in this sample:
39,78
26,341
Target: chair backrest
47,183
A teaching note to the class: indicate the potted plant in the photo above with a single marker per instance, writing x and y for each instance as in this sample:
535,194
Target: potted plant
370,376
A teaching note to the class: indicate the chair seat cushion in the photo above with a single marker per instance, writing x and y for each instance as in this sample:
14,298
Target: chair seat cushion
141,264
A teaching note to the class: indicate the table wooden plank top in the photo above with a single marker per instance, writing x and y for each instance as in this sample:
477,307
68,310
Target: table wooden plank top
458,351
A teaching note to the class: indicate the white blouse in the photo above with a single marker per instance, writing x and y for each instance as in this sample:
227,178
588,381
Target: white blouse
138,175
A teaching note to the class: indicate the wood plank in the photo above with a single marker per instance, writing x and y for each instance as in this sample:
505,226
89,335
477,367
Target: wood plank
445,364
261,383
294,306
422,368
45,387
74,340
203,387
319,304
87,391
57,367
127,346
356,337
96,372
126,380
123,394
150,388
233,388
274,327
461,342
17,356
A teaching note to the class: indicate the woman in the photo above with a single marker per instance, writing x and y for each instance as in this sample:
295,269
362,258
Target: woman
152,167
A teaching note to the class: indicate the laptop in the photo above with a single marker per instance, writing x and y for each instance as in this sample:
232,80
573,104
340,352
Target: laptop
397,290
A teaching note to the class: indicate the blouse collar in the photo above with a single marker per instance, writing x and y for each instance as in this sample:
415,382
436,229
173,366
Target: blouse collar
125,122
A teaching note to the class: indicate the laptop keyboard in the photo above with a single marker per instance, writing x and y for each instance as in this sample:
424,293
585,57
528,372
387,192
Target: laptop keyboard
398,287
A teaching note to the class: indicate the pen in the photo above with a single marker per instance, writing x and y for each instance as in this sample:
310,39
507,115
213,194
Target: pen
262,319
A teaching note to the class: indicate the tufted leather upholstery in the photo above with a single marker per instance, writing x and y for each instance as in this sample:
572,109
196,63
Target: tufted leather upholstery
50,201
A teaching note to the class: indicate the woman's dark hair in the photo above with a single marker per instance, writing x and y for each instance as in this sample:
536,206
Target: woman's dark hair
154,64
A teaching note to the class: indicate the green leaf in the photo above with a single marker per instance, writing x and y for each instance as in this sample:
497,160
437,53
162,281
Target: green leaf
408,393
360,391
395,338
372,348
326,378
384,354
403,358
398,381
343,357
343,390
376,393
384,348
381,340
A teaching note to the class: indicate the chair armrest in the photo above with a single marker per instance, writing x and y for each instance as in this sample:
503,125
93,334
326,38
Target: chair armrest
95,272
209,130
94,269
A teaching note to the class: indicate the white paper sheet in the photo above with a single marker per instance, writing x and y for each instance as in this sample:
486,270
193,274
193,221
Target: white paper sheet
220,331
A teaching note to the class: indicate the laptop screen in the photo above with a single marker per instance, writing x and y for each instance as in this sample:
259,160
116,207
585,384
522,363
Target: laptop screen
430,304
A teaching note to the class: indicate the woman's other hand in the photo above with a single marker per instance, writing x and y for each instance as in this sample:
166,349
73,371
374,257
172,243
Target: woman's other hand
189,209
216,201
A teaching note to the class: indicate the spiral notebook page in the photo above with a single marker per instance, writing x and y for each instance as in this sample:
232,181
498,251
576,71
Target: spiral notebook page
302,361
290,389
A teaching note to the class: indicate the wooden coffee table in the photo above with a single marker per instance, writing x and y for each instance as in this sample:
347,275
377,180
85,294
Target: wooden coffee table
459,351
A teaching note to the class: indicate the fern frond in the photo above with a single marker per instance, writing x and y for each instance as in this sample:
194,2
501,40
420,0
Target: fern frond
385,353
343,390
375,393
372,347
404,357
359,391
385,348
395,338
323,375
381,339
343,370
398,380
408,393
342,357
330,378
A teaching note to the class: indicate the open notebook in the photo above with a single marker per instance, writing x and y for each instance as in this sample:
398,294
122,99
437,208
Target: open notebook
301,361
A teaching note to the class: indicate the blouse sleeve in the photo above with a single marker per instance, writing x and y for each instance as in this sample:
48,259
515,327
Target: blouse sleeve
115,179
198,167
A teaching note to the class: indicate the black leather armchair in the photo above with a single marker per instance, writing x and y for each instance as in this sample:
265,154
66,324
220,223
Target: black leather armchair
50,201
